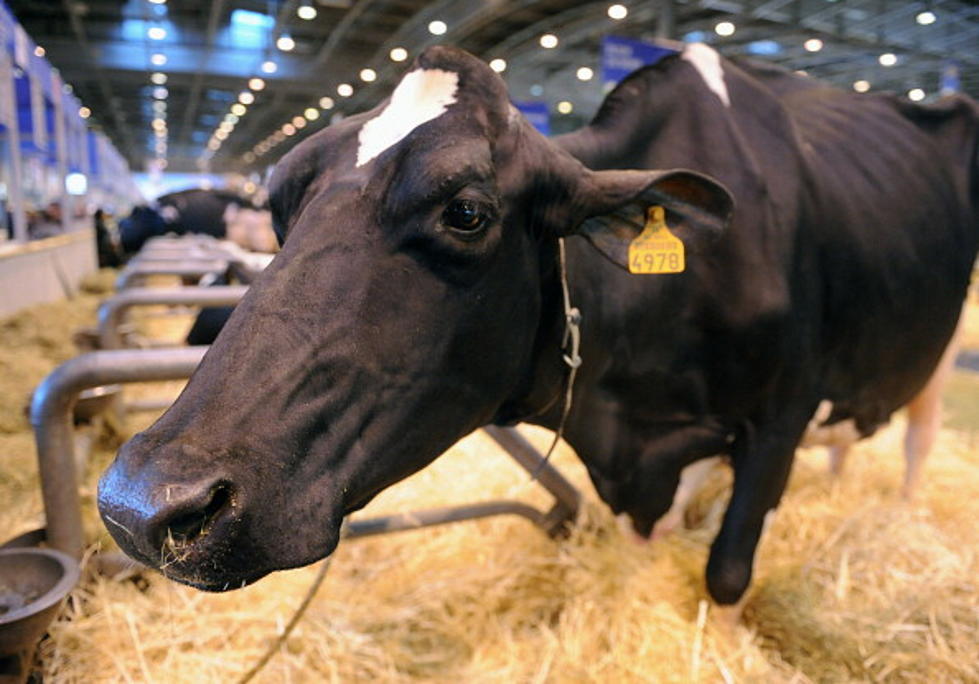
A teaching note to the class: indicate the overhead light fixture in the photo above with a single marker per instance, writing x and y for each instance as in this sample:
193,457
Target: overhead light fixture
238,109
288,129
158,59
158,78
245,97
39,51
269,67
548,41
160,93
84,112
926,17
725,28
256,83
159,2
231,118
585,73
887,59
159,124
861,86
345,90
159,106
368,75
221,135
398,54
498,65
156,33
537,90
299,121
565,107
326,103
916,94
437,28
285,42
306,10
813,45
312,113
617,12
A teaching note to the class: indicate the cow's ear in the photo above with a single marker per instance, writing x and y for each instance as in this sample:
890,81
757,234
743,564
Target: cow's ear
625,213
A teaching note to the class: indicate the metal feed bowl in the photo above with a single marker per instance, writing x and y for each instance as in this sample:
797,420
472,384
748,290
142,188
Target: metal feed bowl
33,583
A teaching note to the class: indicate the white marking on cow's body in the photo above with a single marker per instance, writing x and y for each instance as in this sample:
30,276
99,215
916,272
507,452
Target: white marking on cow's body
708,63
422,95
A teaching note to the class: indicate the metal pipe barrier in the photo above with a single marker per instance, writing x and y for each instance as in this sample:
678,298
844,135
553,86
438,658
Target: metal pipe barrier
112,310
51,417
185,269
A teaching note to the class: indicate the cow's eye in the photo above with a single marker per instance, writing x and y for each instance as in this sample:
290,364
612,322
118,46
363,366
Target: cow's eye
464,215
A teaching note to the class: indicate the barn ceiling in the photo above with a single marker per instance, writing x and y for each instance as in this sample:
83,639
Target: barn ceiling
106,50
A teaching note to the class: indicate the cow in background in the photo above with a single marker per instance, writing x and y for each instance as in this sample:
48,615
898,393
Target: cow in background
418,295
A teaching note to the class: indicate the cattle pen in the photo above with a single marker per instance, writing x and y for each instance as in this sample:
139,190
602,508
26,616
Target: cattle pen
853,585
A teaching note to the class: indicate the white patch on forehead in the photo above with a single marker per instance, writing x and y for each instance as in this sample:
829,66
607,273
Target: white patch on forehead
708,64
422,95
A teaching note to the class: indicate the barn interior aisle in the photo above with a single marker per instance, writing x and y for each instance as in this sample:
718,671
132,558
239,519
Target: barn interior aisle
642,224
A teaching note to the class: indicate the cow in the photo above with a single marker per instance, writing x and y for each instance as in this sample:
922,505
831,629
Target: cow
445,267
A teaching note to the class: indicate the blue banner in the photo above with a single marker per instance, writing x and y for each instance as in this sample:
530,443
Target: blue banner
537,114
622,56
951,79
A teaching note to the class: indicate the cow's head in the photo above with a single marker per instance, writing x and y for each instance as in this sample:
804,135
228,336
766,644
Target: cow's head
409,305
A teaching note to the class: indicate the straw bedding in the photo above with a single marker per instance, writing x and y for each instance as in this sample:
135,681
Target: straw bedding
852,584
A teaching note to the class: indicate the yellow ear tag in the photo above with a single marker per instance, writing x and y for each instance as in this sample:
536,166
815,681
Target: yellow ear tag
656,249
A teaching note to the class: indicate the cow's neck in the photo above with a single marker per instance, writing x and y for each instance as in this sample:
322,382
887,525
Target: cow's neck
538,397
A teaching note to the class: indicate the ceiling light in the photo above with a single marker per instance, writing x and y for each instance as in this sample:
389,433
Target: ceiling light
437,28
548,40
245,97
326,103
269,67
288,129
159,124
213,145
887,59
311,113
724,28
800,72
861,86
398,54
926,17
231,118
345,90
256,83
537,90
221,135
226,126
160,93
585,74
159,106
565,107
238,109
617,12
306,11
158,59
158,78
39,51
84,112
368,75
813,45
498,65
298,121
916,94
285,42
156,33
159,2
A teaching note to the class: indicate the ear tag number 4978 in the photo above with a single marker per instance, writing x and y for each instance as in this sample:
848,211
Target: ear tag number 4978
656,249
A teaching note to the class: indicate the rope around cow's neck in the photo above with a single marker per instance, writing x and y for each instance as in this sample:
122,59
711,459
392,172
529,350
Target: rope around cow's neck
277,644
570,345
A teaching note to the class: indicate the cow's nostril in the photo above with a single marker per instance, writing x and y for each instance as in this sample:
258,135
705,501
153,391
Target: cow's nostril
188,526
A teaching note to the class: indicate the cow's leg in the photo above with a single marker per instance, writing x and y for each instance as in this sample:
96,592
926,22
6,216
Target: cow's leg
762,462
691,480
925,416
837,459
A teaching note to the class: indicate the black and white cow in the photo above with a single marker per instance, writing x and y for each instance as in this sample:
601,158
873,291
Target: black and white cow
418,296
